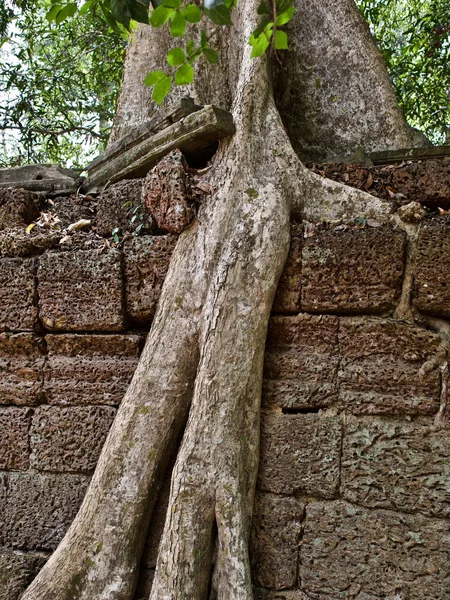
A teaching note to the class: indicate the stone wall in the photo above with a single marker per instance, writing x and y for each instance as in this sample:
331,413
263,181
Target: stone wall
353,496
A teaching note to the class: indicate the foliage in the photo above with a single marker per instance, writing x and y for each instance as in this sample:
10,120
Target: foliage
58,85
122,14
414,38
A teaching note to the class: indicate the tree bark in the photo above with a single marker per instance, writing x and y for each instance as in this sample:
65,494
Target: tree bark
204,354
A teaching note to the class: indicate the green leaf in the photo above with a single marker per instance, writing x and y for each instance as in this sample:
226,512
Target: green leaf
161,89
260,44
154,77
66,11
176,57
160,15
52,13
192,13
211,56
171,3
138,10
262,26
220,14
204,39
86,7
263,9
190,47
285,16
178,24
184,75
281,40
120,12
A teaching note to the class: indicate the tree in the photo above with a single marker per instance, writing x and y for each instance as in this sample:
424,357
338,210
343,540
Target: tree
201,370
54,105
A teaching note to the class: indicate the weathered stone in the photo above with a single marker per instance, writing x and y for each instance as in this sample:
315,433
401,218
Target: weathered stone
18,310
300,453
262,594
73,208
275,537
89,369
146,261
17,207
287,297
116,206
17,570
352,270
402,466
381,368
14,426
413,212
431,293
69,439
192,134
427,182
167,193
349,552
39,508
21,368
81,291
17,243
301,362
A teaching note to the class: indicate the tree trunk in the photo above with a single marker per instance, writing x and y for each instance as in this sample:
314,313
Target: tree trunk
204,354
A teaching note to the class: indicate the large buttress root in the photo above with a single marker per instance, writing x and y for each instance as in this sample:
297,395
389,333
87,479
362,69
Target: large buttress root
99,556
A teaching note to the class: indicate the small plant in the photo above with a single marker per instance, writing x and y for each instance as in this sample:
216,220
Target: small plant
136,214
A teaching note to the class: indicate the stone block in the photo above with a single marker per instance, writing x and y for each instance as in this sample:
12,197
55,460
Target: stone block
89,369
81,291
14,426
116,204
401,466
22,358
300,453
352,271
146,262
431,291
381,369
350,552
262,594
69,439
39,508
18,308
301,362
274,541
17,571
287,297
18,207
427,182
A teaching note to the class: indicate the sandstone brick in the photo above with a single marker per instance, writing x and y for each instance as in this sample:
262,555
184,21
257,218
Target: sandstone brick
18,207
17,571
146,262
300,453
350,552
69,439
18,310
114,208
352,270
21,367
402,466
380,369
81,291
287,297
275,537
431,292
89,369
14,426
301,362
39,508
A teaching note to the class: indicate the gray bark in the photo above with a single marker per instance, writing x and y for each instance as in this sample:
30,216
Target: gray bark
203,357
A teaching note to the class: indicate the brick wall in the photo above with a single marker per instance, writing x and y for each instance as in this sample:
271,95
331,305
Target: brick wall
353,496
